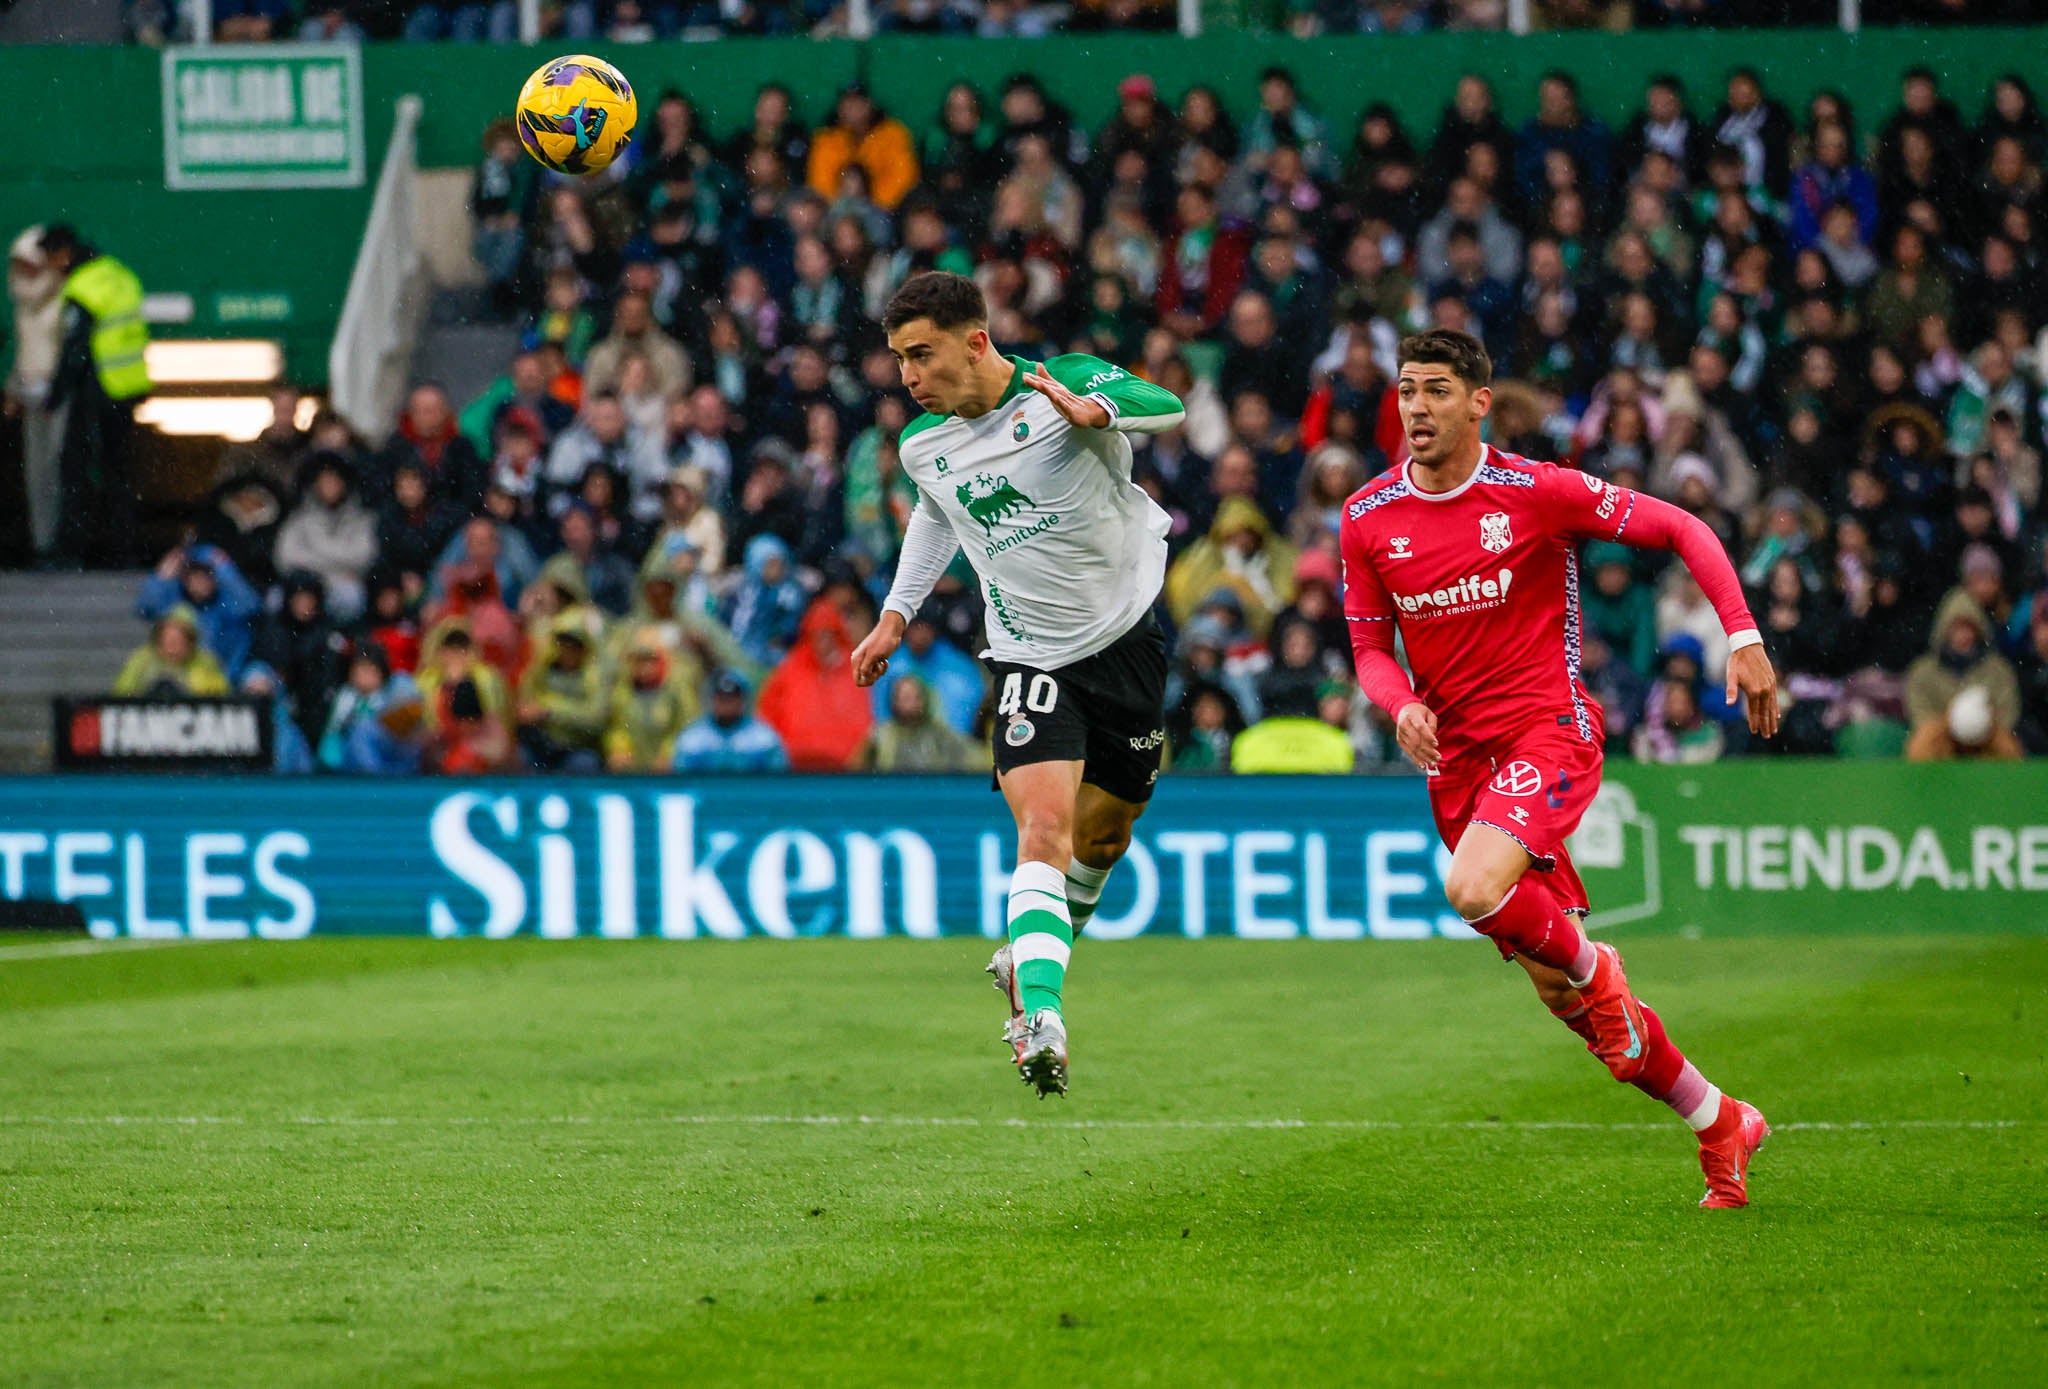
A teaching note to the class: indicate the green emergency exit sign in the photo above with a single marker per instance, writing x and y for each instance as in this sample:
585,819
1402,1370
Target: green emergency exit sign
282,115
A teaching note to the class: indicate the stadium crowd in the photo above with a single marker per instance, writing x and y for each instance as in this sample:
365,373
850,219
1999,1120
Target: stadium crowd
643,21
652,542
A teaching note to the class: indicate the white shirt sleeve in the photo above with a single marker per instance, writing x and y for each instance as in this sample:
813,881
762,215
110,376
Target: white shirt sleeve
928,547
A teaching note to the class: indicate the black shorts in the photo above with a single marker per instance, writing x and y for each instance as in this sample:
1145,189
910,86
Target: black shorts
1106,711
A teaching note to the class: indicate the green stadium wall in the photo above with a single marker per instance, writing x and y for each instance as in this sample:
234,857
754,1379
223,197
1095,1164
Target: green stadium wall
87,126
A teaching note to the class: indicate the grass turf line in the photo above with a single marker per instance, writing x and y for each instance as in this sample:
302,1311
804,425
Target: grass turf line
460,1233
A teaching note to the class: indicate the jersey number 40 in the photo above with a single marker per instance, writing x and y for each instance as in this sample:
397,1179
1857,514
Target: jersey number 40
1039,698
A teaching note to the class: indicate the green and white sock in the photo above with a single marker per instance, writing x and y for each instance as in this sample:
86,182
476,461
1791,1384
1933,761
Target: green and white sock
1084,890
1041,934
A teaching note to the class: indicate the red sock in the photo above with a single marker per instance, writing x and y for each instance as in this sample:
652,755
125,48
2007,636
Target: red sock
1532,925
1666,1074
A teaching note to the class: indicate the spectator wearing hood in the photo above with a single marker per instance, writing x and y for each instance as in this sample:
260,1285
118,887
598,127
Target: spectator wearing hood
1318,580
651,702
202,579
954,679
414,525
674,603
466,704
559,592
1962,697
301,644
764,610
1681,659
811,700
241,516
173,662
1618,607
290,754
1240,554
428,436
911,737
473,596
376,725
330,534
563,707
728,738
389,623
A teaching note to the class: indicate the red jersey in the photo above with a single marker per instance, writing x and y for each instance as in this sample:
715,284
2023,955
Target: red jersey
1483,583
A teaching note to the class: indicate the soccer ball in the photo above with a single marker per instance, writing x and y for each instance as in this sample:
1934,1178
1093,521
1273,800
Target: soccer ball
576,114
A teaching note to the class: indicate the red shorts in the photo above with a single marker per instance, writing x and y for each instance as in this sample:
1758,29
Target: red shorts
1535,792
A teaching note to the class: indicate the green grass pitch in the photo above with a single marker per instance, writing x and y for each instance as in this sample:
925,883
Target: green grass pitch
458,1163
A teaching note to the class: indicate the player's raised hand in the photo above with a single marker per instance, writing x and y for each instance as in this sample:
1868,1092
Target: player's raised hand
1750,674
1075,409
1415,731
871,657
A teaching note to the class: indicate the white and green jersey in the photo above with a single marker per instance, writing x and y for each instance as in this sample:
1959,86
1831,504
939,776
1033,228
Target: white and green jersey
1070,552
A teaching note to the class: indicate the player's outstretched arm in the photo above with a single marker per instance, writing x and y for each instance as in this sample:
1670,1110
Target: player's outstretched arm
1647,523
1094,394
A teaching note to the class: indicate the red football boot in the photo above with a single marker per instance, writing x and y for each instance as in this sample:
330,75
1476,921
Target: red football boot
1614,1016
1725,1150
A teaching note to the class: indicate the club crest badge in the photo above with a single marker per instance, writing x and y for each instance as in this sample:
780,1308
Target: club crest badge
1494,535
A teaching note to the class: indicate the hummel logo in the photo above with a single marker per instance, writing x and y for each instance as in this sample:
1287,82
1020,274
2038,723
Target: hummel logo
1397,548
1520,815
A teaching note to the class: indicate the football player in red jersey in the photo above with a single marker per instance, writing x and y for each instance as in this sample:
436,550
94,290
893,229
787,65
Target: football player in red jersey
1473,555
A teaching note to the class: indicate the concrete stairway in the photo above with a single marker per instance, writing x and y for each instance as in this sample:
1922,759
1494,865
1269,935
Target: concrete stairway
60,634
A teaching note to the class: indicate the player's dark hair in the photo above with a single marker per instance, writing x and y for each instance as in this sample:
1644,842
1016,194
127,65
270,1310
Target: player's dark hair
950,301
1461,352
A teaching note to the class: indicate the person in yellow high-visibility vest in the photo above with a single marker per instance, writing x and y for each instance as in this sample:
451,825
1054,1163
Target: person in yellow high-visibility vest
101,376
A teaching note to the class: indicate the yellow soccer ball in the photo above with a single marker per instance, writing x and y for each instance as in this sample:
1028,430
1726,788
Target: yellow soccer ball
576,114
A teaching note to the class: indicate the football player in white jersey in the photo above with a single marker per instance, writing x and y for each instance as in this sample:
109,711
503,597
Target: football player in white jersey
1026,467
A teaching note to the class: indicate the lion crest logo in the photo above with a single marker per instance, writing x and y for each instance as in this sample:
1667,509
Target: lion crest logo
991,499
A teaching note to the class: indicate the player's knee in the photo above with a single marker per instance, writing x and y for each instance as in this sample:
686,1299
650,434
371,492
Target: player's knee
1473,895
1102,845
1045,835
